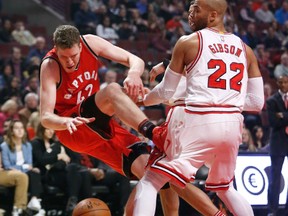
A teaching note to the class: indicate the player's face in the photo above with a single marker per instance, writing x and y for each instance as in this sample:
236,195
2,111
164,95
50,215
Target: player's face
69,57
198,16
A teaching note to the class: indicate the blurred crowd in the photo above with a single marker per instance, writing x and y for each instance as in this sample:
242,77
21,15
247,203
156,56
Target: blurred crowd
262,24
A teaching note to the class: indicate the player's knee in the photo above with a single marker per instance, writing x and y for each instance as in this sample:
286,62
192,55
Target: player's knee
113,88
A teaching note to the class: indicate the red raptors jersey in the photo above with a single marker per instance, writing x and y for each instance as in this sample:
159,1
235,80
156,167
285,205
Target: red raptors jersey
76,86
71,91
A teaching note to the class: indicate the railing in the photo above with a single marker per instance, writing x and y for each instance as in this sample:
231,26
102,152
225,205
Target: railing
62,7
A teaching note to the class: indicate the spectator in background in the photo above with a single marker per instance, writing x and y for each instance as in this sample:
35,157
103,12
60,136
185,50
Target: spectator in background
264,59
6,31
110,76
136,20
33,122
112,9
57,170
126,30
273,5
184,23
32,86
282,68
39,50
251,38
84,19
271,41
17,62
31,102
6,75
247,141
142,6
19,180
95,5
277,108
105,30
17,155
22,35
8,112
11,91
258,137
264,15
247,14
281,15
121,17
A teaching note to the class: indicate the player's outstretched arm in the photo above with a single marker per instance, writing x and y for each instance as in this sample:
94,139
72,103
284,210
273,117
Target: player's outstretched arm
133,83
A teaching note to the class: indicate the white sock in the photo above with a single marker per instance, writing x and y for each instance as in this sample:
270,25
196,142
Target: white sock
235,202
146,193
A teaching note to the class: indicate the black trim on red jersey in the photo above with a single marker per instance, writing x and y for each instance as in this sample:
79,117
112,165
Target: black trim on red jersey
87,45
51,57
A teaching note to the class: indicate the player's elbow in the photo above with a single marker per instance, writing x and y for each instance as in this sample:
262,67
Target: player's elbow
44,120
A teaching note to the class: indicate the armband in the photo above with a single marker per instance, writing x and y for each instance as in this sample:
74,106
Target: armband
254,100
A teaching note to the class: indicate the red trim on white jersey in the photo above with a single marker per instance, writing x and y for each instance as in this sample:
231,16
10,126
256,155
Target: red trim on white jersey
200,48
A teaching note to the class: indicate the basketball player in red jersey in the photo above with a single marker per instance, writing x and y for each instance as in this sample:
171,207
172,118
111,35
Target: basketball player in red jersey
72,104
222,80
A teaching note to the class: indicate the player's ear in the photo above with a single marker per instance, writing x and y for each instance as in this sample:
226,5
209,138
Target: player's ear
213,16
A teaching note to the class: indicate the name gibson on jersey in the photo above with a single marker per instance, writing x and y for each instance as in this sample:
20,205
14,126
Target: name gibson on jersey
225,48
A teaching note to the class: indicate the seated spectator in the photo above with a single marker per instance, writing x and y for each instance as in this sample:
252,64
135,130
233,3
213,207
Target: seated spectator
19,180
17,62
136,20
95,5
57,170
84,19
39,50
250,37
31,102
118,19
102,174
6,31
281,14
258,137
32,86
22,35
126,31
33,122
247,14
17,155
105,30
271,41
264,15
12,90
5,76
109,77
282,68
247,141
9,111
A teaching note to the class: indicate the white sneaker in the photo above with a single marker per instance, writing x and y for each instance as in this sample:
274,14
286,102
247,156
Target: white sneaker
34,204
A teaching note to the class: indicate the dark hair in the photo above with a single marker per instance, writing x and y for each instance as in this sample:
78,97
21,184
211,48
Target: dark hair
65,36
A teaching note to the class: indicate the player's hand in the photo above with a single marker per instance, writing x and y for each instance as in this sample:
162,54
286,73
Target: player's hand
156,70
133,87
72,123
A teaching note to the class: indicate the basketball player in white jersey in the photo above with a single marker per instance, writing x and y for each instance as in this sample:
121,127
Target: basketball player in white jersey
223,79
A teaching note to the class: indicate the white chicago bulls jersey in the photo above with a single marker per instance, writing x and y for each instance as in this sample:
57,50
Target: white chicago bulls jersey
217,78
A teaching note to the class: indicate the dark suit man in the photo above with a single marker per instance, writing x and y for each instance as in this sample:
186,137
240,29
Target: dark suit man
278,120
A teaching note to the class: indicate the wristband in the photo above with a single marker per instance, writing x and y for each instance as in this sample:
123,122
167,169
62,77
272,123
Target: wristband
166,62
